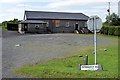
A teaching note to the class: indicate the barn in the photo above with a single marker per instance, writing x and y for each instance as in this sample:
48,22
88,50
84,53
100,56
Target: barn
53,22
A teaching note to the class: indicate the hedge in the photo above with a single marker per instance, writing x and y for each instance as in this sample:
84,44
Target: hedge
112,30
117,31
4,23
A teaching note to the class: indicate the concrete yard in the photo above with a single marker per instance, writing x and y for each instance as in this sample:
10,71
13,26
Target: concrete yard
40,48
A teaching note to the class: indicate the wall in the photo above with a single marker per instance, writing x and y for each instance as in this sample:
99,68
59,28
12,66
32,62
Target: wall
32,29
52,26
62,26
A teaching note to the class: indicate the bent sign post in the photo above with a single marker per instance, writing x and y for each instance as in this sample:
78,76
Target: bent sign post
94,25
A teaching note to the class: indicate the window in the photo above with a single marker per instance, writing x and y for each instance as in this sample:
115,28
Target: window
37,26
67,24
57,24
85,24
47,24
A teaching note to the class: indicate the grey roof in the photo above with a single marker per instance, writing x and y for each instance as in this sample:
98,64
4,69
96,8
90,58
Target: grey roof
55,15
32,21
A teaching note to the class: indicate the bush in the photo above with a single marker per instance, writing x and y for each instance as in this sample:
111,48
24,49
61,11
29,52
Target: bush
105,30
14,21
102,30
0,24
117,31
4,25
113,30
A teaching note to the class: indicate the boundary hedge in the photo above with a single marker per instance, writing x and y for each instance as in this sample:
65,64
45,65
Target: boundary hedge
112,30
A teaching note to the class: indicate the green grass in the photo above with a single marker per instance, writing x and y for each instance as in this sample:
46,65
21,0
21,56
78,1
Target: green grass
102,36
98,35
68,67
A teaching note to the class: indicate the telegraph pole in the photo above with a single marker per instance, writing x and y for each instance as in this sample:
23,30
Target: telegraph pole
108,16
24,11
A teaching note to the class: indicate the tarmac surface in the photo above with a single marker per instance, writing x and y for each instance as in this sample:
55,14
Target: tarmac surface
19,50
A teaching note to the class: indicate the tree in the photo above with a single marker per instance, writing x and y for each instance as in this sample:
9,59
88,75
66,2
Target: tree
14,21
114,19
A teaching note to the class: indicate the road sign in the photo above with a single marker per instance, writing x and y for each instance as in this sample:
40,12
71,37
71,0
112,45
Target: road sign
90,67
95,24
90,23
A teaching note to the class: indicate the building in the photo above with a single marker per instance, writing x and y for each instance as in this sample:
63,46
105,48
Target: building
119,9
53,22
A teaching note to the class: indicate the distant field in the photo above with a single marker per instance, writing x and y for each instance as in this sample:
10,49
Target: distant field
68,67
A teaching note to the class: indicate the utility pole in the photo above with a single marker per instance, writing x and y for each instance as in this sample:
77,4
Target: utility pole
24,11
108,16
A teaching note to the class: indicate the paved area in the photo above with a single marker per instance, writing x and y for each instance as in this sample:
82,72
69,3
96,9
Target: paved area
39,47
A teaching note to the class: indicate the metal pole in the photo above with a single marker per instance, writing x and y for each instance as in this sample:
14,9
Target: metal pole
86,59
95,40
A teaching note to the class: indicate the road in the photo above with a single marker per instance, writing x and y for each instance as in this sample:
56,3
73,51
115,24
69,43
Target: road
40,48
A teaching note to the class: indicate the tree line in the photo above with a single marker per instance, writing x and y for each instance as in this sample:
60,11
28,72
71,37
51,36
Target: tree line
114,28
114,20
14,21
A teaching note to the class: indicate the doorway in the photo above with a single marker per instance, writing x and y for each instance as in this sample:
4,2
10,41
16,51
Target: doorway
25,27
76,26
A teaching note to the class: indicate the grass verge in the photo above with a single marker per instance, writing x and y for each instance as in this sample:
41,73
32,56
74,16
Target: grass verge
102,36
68,67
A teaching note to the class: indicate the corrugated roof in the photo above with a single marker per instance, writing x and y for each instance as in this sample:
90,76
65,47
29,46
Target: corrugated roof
55,15
32,21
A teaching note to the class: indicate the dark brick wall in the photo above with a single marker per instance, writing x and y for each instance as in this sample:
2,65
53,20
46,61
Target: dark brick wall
62,26
32,29
52,26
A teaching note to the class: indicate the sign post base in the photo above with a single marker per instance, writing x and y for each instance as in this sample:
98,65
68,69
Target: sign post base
91,67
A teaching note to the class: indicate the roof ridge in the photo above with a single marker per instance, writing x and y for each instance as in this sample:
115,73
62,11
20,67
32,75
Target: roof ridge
55,15
53,12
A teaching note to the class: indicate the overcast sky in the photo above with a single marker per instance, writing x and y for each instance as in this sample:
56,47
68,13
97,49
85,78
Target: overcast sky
119,8
10,9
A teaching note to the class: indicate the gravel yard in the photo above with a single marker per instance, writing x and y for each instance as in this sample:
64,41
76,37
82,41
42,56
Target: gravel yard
40,47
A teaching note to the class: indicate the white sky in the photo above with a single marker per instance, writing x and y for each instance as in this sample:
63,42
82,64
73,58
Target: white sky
10,9
119,8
